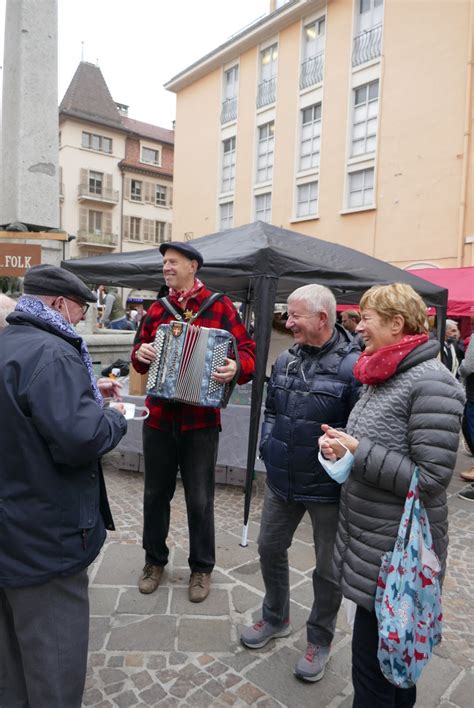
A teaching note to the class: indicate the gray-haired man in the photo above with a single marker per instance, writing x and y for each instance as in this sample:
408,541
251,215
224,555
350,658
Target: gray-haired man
310,383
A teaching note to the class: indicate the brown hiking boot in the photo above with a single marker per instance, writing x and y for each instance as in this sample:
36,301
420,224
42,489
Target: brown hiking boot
199,586
150,578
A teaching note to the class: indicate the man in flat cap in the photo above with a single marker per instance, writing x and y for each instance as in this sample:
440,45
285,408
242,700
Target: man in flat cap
180,434
53,505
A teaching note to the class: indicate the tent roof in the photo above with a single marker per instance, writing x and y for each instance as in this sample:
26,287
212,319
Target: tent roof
233,259
460,285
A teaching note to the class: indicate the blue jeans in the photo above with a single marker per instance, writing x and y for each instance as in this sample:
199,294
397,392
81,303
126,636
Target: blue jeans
122,323
279,522
195,452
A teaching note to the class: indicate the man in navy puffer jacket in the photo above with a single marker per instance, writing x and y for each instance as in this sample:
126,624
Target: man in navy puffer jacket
310,383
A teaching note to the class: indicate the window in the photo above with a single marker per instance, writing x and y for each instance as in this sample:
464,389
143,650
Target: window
263,207
228,165
361,188
91,141
370,14
95,222
364,128
150,157
268,68
95,182
136,190
229,103
313,53
310,137
135,228
266,140
226,215
160,195
160,231
307,204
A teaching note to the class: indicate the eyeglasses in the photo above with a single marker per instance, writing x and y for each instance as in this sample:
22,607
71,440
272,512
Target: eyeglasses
82,305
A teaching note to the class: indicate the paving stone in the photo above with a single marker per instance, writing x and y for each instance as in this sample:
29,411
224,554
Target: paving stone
242,658
214,688
152,695
464,692
121,565
150,634
230,554
303,594
275,677
99,628
250,574
301,556
205,659
180,688
167,675
112,675
216,669
177,657
114,688
436,676
92,697
200,699
102,600
125,700
142,679
217,603
196,632
229,680
115,661
249,693
97,659
245,599
228,698
133,602
134,660
156,662
340,662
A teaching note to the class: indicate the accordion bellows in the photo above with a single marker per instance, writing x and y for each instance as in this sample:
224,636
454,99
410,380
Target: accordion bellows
186,358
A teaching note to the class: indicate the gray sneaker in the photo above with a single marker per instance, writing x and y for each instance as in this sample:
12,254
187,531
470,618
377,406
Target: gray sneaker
260,634
312,665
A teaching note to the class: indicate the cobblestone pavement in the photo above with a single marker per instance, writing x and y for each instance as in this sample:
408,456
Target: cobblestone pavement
162,650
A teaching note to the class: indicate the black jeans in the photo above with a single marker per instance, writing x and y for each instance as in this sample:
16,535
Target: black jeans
195,452
371,688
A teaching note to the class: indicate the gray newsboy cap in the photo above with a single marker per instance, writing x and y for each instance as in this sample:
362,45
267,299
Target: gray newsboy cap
47,279
186,249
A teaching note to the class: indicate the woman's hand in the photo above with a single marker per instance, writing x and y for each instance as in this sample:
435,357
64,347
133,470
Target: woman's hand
334,443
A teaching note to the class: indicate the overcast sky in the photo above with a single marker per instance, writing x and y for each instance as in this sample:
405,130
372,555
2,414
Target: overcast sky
141,44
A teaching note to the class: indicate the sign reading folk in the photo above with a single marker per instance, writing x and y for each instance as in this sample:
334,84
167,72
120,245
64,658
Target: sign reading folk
16,258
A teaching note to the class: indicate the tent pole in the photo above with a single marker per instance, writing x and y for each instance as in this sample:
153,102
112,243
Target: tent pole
264,304
441,315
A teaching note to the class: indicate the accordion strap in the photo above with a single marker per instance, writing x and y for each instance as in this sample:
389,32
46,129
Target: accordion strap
204,306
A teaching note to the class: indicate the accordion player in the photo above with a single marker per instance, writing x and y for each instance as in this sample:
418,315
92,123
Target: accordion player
186,358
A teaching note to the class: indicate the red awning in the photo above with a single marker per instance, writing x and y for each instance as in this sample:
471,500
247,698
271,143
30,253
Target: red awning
460,285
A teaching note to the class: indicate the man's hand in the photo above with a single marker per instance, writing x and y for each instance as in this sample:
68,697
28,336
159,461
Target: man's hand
109,388
225,374
146,353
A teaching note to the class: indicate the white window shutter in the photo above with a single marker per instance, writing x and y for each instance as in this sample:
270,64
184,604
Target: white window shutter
108,222
169,228
83,221
169,192
126,227
84,177
127,187
109,183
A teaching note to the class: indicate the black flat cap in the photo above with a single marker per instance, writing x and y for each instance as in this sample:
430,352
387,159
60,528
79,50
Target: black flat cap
186,249
47,279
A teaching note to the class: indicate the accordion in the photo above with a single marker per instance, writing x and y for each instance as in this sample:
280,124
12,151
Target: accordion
186,358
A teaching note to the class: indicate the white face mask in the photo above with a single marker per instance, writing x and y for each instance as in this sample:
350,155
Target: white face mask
340,469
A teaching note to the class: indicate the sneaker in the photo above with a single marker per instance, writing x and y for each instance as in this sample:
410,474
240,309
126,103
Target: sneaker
467,494
150,578
199,586
312,665
260,634
468,476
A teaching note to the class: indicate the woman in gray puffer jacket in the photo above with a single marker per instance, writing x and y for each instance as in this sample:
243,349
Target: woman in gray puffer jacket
408,415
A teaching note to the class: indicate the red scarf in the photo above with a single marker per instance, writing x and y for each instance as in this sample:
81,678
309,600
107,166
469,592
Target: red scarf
181,297
382,364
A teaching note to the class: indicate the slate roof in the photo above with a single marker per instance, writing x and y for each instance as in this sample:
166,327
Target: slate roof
88,97
147,130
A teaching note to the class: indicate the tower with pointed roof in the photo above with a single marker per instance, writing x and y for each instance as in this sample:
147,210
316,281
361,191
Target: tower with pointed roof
116,173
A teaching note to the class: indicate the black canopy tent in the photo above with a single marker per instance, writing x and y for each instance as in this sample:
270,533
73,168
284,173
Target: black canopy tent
259,265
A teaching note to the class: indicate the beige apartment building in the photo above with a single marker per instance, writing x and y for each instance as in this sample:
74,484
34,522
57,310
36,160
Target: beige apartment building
116,173
348,120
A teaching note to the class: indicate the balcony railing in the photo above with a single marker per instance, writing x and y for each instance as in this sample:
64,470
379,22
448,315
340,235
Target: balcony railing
105,195
86,237
229,109
312,71
266,92
367,46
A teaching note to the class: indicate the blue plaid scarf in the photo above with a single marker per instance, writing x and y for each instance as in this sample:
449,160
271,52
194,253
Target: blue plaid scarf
35,307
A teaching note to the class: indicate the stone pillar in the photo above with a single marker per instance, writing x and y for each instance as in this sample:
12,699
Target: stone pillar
29,161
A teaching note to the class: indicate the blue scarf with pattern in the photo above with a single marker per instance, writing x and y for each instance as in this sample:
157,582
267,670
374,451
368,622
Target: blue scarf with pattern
35,307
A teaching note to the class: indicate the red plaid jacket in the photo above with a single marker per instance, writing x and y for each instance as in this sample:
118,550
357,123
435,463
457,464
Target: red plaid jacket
222,315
